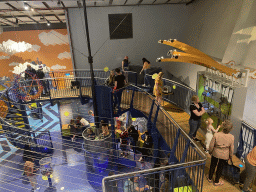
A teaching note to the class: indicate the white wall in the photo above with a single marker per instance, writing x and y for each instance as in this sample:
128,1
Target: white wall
150,24
211,24
241,49
250,104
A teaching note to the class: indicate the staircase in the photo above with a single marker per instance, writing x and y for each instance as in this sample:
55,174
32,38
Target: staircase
15,128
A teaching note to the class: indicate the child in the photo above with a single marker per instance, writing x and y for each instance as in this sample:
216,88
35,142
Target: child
91,134
124,142
210,132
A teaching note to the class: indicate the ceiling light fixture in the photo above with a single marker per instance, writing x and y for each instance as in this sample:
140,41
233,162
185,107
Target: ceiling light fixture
26,7
32,9
59,2
48,23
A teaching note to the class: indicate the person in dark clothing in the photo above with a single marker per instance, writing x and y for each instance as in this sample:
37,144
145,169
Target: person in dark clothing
196,110
133,136
125,67
29,74
73,129
119,83
124,142
145,68
40,75
147,146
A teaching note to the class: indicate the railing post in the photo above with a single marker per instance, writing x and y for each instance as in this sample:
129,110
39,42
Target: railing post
184,155
156,115
151,111
131,104
171,159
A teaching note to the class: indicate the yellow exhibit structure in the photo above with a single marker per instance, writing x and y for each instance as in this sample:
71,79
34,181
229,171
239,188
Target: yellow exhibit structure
194,56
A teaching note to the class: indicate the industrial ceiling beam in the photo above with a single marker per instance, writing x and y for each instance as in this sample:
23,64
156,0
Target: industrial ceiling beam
15,9
47,6
7,22
37,15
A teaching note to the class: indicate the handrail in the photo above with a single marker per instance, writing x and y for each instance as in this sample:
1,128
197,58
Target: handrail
247,124
147,171
176,126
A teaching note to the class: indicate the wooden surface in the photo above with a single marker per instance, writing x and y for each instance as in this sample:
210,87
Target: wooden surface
182,118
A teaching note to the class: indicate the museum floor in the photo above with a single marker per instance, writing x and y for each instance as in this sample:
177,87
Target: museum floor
69,170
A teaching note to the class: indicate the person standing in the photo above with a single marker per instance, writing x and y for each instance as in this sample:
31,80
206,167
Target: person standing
119,84
221,148
210,131
111,79
196,110
158,88
125,67
146,67
30,171
40,75
30,73
250,169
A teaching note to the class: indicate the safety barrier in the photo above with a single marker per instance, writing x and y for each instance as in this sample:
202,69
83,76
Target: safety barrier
246,141
179,94
186,159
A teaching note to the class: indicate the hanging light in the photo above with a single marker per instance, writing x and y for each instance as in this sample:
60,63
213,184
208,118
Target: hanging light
58,3
26,7
17,21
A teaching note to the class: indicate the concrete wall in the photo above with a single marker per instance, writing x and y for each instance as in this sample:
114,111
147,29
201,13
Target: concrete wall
150,24
241,49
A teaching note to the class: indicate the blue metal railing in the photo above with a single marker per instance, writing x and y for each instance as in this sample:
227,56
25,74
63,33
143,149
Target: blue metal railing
187,159
247,140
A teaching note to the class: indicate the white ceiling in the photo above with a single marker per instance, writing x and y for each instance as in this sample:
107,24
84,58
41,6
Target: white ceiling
13,12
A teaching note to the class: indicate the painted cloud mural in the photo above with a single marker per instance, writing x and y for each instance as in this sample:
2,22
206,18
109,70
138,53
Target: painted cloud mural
57,67
11,47
65,55
4,57
53,38
23,66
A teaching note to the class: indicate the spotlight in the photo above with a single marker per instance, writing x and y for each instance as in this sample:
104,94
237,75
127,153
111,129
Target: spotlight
48,23
26,7
32,9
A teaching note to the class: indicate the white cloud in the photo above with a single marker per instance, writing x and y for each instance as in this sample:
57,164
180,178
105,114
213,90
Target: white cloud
4,57
35,48
11,47
21,67
65,55
53,38
57,66
14,64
